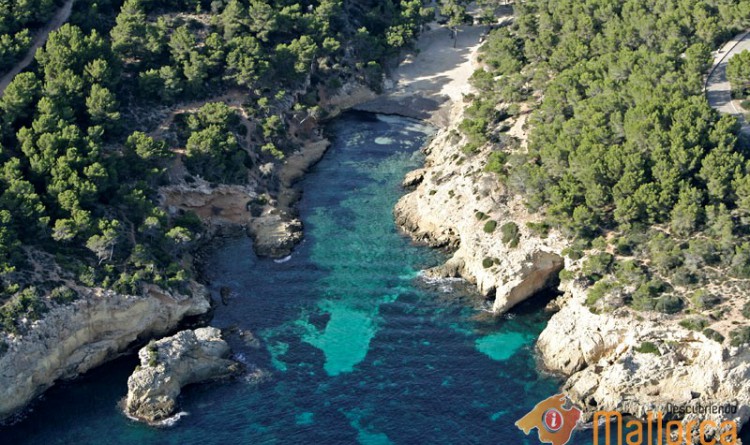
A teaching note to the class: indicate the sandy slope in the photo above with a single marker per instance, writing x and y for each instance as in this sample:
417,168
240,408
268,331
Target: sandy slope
433,76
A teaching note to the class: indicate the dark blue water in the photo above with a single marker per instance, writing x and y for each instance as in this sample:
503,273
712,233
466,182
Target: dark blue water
359,348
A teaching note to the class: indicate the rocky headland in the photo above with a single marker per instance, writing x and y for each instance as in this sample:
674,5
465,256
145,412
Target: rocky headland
624,360
74,338
169,364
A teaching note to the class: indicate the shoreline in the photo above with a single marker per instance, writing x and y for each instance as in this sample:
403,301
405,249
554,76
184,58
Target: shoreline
158,302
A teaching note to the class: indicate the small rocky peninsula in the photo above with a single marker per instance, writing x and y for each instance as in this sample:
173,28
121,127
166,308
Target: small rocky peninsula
75,338
169,364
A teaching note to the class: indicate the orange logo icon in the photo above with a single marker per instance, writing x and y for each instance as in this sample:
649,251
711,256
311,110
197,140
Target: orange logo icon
553,422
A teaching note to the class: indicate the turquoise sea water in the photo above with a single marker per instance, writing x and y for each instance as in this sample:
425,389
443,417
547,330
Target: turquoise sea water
358,347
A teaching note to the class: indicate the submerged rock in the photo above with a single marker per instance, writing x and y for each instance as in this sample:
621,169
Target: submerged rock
170,364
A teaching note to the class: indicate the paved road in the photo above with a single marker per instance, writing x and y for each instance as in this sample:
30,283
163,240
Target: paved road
61,16
718,89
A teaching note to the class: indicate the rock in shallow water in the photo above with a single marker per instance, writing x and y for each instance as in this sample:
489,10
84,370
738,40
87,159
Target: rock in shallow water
171,363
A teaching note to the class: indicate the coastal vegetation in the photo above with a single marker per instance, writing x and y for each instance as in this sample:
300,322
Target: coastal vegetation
80,161
738,73
19,21
625,157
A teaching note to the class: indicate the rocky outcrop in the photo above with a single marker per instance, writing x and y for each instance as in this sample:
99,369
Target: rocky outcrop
224,207
170,364
619,360
77,337
458,205
275,235
635,363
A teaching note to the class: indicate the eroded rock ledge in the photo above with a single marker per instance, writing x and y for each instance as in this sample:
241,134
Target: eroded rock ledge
77,337
620,360
609,366
456,204
170,364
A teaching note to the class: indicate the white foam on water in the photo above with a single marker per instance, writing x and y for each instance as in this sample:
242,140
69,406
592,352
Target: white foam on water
413,125
389,119
283,260
171,421
440,281
382,140
166,423
242,358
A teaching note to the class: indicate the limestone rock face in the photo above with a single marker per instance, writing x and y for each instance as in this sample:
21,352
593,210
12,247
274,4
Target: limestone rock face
275,235
170,364
617,360
455,205
607,368
75,338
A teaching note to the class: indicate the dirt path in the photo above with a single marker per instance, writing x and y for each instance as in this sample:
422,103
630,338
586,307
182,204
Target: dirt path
61,16
718,89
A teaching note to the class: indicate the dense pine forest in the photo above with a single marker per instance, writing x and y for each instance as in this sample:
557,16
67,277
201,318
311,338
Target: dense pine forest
78,169
19,21
625,156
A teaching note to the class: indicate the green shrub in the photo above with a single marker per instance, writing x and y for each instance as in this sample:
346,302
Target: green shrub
470,148
539,229
190,220
511,236
624,246
496,162
573,253
490,226
273,150
26,303
645,296
513,110
746,310
566,275
694,324
481,216
701,299
597,291
63,295
596,266
669,304
487,263
713,335
648,347
739,336
153,354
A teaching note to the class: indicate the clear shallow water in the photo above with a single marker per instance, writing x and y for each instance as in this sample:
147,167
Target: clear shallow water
360,350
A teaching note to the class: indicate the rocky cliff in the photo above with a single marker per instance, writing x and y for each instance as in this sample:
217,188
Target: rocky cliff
621,360
458,205
170,364
74,338
640,362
